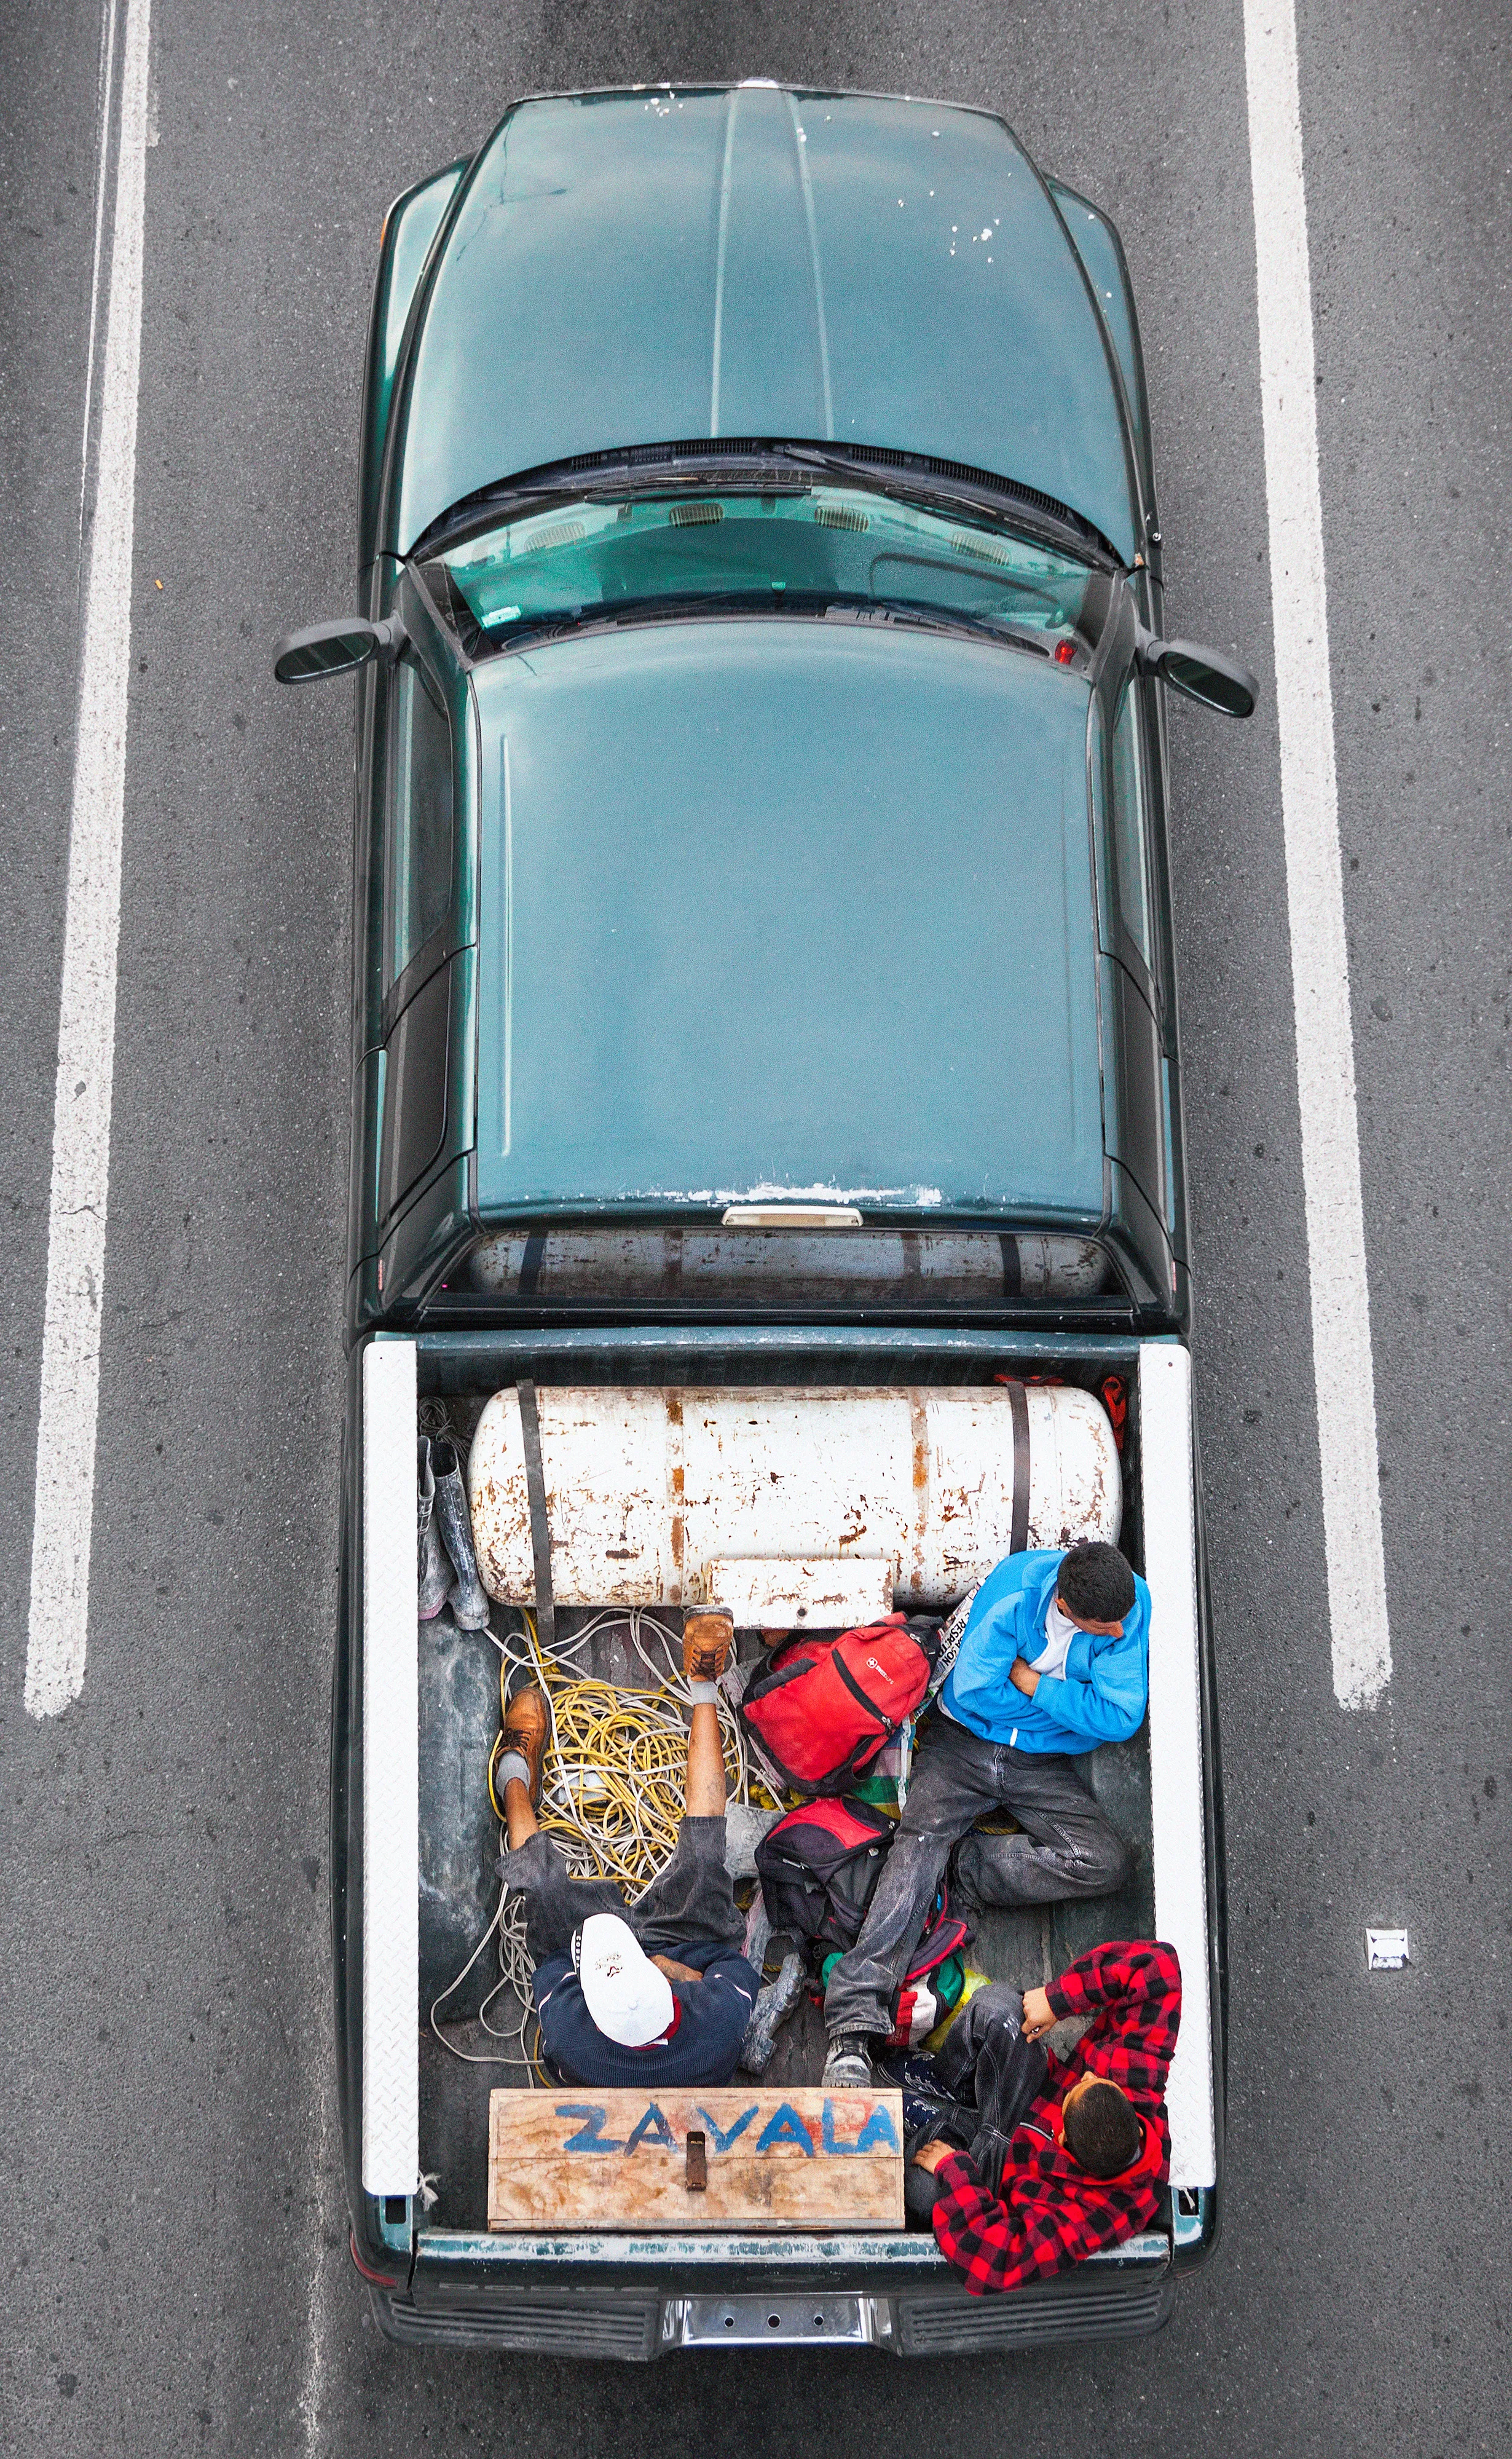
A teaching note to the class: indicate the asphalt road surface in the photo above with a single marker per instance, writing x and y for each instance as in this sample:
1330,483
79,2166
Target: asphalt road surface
174,2242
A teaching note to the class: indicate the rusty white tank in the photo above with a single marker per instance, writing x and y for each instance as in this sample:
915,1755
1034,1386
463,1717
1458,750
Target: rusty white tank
648,1489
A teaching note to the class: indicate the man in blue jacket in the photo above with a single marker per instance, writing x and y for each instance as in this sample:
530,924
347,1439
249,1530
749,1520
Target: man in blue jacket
1054,1659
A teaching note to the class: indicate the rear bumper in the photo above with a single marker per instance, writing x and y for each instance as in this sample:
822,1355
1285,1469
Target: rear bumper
1125,2296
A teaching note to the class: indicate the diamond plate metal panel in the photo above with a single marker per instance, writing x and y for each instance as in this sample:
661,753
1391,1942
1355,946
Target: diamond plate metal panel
1175,1732
390,1774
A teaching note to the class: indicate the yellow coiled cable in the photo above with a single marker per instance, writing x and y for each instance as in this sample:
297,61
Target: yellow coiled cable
612,1781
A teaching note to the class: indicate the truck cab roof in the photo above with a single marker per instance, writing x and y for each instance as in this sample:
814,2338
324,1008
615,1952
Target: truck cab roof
787,909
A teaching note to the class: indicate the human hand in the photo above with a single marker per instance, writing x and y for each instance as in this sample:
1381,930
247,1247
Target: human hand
929,2155
1024,1677
1038,2014
674,1970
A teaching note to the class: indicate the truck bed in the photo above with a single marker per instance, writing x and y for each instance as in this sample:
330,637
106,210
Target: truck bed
1025,1946
1158,1788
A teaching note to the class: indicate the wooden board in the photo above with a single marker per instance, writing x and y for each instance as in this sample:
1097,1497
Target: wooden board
576,2158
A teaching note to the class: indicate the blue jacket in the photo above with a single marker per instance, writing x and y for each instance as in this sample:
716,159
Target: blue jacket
1105,1688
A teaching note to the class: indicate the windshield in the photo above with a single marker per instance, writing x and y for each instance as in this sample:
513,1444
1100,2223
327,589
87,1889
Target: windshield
801,548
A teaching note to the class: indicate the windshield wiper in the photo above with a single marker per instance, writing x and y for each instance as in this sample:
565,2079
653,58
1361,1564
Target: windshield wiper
614,479
605,616
763,466
913,479
815,606
1000,629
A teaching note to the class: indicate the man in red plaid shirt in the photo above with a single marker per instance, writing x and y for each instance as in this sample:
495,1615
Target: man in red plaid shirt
1052,2158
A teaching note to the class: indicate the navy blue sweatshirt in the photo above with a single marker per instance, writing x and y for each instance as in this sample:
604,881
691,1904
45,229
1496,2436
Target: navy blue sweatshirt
709,2024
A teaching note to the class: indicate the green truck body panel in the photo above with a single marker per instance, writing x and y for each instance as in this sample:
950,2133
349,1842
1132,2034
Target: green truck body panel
1102,252
633,268
409,228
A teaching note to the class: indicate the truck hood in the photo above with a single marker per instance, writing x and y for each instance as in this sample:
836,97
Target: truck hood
658,266
774,907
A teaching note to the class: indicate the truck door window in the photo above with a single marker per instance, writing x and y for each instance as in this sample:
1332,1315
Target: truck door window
418,885
1131,830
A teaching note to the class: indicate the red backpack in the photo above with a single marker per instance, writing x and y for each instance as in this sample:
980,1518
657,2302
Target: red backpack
823,1707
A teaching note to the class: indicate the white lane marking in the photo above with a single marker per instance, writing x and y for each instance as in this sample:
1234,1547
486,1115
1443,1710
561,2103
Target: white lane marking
317,2322
82,1114
107,71
1342,1362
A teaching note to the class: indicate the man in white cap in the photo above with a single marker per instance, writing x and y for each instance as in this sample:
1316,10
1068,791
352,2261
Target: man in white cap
654,1993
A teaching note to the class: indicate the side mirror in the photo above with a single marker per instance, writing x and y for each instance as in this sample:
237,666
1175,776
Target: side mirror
1204,675
339,648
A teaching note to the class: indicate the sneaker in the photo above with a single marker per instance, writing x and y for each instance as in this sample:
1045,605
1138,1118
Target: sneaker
707,1638
924,2119
848,2067
912,2070
527,1722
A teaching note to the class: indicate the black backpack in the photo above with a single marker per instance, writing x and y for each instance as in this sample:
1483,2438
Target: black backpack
818,1868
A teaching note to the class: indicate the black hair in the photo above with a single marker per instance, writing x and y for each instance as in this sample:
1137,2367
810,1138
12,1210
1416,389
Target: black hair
1103,2131
1096,1582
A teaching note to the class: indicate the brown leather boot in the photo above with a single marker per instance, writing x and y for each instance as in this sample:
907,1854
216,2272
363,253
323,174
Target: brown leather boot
527,1722
708,1634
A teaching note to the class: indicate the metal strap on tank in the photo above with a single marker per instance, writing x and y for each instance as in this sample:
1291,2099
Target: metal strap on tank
540,1526
1018,1529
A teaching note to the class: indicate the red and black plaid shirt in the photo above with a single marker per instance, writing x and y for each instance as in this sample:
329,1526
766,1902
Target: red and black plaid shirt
1052,2212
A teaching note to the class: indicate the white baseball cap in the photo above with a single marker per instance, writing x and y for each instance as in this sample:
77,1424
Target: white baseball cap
629,2000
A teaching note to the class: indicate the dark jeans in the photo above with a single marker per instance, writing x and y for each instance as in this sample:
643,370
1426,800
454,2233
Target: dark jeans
689,1903
990,2077
1067,1848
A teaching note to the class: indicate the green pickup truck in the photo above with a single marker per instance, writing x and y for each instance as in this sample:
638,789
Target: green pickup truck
762,985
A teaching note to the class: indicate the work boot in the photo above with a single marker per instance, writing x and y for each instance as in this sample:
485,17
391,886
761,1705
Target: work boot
527,1722
848,2067
469,1597
707,1638
435,1571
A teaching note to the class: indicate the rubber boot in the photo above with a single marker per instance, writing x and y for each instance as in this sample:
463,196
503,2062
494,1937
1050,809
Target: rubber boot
435,1571
469,1598
774,2004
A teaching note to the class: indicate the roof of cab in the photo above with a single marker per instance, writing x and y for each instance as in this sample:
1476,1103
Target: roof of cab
779,907
660,265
